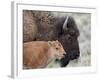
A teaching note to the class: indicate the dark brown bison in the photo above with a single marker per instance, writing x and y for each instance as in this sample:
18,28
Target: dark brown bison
53,28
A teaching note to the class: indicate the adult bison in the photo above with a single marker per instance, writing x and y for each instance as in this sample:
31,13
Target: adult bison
50,27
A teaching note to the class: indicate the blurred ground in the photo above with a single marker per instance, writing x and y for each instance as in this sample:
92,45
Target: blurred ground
83,21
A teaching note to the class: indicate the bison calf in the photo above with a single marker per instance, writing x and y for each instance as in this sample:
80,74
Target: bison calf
37,54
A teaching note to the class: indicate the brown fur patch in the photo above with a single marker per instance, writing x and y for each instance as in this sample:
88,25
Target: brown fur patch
38,54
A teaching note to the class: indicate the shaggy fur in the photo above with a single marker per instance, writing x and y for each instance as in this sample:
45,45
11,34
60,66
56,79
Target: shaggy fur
29,26
51,28
37,54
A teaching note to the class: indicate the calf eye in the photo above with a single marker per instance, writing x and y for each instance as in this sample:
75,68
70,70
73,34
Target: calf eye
57,48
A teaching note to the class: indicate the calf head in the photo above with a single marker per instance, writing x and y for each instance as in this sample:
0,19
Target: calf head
56,49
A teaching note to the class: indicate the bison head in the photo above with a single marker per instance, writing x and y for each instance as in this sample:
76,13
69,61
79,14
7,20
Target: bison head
69,39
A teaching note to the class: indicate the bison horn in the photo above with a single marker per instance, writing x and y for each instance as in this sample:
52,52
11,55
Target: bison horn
65,23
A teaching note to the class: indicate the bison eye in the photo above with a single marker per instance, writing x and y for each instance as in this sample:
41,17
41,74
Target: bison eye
70,39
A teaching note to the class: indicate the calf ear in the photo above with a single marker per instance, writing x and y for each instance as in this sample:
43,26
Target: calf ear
49,43
57,41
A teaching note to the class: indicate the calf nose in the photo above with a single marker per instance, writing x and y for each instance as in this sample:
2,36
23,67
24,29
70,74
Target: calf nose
64,53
